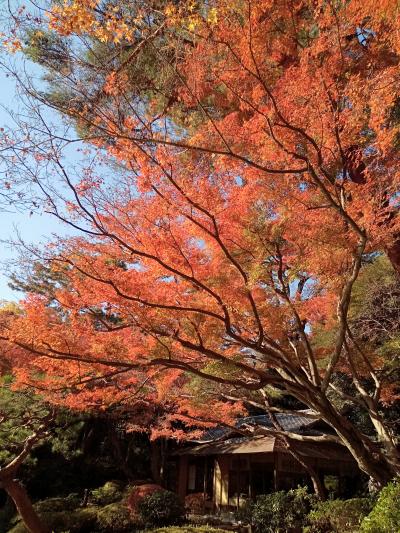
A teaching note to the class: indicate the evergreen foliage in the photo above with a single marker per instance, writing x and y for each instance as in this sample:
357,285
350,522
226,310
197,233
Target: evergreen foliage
336,516
280,511
385,516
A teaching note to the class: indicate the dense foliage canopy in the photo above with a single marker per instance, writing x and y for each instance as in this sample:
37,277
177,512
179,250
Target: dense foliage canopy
240,171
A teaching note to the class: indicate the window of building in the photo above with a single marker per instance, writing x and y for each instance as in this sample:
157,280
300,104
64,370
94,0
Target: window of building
200,476
262,479
239,484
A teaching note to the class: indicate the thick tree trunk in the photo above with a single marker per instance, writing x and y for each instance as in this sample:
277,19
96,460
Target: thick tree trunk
376,467
319,487
119,455
156,462
393,253
366,453
24,505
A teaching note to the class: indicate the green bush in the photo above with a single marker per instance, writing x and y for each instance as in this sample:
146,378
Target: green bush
51,505
385,516
245,512
111,492
136,494
78,521
162,508
281,511
114,517
337,516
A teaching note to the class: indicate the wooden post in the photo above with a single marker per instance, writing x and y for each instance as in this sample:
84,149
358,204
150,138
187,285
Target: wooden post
276,471
250,480
221,479
205,482
225,461
182,476
217,485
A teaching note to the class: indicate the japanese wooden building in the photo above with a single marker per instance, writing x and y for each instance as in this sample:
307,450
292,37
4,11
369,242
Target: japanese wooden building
226,469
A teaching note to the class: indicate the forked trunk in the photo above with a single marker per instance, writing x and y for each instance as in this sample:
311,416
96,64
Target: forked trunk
369,457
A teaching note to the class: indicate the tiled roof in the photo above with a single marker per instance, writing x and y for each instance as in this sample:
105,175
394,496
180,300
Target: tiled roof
268,444
236,445
221,440
289,422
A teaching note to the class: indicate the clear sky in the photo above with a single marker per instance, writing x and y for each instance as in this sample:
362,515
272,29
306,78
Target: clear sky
34,228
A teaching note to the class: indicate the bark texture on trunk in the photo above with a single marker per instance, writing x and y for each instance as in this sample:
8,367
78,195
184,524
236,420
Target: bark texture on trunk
319,487
370,459
24,505
393,253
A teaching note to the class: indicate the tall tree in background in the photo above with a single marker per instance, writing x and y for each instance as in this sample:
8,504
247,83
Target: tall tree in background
255,154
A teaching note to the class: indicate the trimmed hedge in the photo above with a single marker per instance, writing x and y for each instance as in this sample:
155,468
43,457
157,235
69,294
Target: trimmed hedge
115,517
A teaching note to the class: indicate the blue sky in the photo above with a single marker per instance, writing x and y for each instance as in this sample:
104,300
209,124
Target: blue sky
34,228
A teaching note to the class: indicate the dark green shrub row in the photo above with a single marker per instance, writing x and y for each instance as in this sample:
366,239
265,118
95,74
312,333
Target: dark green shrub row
296,510
78,521
338,516
114,517
278,511
109,514
358,515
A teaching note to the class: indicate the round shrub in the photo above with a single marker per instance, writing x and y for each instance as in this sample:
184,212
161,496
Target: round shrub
115,517
110,492
51,505
336,516
195,503
385,516
162,508
281,511
137,493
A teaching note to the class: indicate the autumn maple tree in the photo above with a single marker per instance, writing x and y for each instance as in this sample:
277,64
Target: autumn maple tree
242,167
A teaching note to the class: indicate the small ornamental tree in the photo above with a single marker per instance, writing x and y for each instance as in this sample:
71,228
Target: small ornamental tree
252,177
